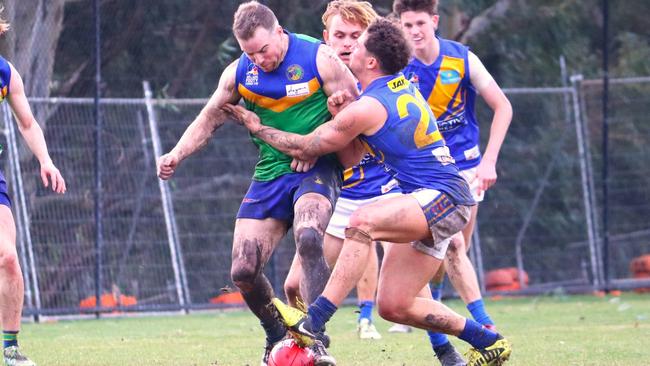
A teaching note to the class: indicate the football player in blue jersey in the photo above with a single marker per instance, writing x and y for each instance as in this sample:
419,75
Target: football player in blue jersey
363,183
399,128
449,76
11,277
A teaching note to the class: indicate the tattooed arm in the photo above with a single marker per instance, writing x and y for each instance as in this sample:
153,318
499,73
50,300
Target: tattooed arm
335,75
199,132
364,116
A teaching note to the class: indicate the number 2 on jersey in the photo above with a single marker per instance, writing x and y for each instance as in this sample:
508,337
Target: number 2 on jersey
420,136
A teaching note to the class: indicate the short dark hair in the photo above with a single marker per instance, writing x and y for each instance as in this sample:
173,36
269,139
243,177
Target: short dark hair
429,6
250,16
386,41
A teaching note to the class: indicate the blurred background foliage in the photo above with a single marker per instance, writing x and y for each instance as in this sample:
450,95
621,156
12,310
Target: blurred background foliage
182,46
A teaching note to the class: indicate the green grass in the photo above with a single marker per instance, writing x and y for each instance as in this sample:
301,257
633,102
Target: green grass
556,330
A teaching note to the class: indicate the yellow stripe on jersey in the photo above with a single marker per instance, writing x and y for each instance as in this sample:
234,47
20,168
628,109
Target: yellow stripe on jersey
442,93
278,105
348,173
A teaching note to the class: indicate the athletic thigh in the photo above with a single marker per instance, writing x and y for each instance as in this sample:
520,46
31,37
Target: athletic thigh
469,228
397,219
7,230
254,240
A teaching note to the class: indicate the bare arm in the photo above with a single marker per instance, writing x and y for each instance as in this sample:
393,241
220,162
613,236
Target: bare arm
32,132
335,75
499,103
199,132
365,116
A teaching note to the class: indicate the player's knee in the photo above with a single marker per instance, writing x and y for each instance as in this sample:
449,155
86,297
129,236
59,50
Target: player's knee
9,262
291,289
246,264
309,243
243,276
391,309
456,246
361,220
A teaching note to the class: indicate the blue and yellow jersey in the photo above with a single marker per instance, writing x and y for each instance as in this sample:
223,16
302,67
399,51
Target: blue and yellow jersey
289,98
367,180
5,77
409,142
446,86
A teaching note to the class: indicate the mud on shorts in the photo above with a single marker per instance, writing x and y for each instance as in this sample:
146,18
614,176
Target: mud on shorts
4,193
444,219
276,198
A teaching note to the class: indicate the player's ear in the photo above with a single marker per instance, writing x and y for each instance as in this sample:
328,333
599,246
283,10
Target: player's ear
435,18
326,35
372,63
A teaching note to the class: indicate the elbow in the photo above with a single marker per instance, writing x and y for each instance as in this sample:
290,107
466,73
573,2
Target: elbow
505,110
26,124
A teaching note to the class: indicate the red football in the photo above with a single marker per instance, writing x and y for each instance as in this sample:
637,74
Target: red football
288,353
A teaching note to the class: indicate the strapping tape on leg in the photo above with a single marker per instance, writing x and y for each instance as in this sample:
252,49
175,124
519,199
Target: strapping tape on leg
357,234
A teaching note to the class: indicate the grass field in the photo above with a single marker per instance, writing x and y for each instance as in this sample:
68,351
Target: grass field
551,330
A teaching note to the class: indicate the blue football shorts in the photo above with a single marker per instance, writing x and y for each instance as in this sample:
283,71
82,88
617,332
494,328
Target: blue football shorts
276,198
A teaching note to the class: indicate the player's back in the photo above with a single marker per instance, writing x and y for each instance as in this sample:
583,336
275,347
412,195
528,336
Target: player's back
410,144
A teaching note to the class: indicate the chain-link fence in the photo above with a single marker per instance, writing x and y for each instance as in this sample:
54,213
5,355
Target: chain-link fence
166,246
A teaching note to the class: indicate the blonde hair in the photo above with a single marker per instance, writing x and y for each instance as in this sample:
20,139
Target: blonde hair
4,25
360,12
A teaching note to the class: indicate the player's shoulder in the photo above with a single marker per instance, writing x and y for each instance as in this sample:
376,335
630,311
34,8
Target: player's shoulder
453,48
307,38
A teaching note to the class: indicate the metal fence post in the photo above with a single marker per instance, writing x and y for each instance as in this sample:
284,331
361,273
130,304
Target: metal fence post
595,267
178,263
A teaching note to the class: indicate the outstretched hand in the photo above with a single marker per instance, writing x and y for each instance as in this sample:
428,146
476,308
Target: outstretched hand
51,177
249,119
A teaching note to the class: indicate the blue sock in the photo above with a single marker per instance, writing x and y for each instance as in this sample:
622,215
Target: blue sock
320,312
477,335
477,309
437,339
365,310
436,291
9,338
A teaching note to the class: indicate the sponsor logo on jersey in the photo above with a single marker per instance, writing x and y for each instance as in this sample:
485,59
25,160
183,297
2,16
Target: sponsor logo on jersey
297,90
385,188
473,153
252,75
449,77
397,84
452,123
295,72
414,79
